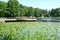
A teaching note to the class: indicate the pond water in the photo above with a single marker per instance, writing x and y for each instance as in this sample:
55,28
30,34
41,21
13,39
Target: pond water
52,19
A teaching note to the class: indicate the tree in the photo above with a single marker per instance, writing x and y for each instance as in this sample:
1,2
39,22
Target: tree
22,12
3,7
13,8
57,11
53,13
37,12
45,13
31,11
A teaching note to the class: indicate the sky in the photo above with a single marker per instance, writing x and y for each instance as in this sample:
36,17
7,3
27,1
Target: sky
42,4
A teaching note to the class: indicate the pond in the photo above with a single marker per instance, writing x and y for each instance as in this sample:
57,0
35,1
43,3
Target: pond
51,19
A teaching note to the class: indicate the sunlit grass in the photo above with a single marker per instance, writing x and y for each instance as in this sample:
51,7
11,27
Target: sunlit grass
30,30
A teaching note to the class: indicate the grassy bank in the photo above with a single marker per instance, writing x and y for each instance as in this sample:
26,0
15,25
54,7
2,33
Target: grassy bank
30,31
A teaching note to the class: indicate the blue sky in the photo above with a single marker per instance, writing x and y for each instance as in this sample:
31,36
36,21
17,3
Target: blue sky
43,4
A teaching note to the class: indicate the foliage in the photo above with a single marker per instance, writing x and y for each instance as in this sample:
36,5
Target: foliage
13,9
3,7
30,31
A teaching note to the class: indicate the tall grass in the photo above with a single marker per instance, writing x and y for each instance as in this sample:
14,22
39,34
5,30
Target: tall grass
30,31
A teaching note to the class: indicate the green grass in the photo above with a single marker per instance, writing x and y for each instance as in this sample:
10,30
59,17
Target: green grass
30,31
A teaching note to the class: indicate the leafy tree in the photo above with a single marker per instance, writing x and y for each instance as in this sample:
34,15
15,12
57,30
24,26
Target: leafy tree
3,7
45,13
13,8
49,12
30,11
38,12
22,12
57,11
26,10
53,13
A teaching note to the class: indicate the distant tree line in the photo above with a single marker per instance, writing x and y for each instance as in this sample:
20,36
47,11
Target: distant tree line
13,9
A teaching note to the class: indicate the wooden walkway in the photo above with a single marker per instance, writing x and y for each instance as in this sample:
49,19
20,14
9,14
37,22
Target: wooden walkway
18,20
